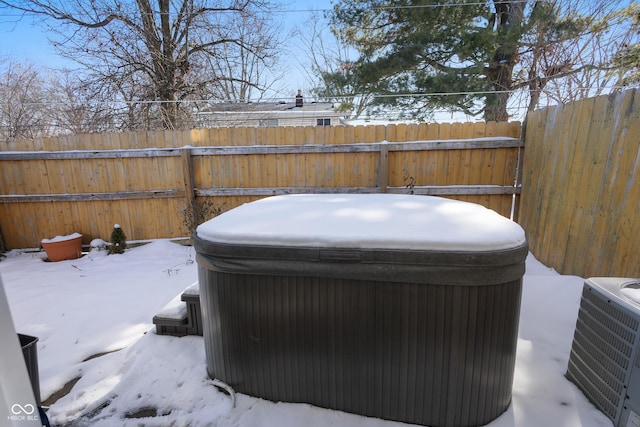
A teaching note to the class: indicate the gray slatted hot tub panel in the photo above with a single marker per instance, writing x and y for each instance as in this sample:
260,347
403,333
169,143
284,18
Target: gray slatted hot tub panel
437,355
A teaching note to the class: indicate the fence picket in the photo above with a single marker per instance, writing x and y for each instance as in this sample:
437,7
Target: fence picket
580,186
144,180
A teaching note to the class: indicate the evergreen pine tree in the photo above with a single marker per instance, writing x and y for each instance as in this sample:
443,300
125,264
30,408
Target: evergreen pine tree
118,241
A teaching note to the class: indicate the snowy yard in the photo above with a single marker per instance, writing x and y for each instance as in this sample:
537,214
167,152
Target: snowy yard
93,318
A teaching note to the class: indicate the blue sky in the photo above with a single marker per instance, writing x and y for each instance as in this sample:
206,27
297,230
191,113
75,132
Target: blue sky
25,41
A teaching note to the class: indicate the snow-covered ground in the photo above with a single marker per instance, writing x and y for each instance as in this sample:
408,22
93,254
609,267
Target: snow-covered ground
100,303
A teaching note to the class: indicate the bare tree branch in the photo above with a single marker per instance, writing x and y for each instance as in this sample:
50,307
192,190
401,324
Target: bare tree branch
159,44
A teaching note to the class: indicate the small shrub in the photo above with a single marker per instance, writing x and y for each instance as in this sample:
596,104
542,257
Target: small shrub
201,211
409,183
118,241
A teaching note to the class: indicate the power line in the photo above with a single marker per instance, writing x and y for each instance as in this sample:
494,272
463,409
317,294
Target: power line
310,10
417,6
316,99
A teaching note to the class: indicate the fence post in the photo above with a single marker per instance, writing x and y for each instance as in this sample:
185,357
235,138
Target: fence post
383,168
515,210
187,174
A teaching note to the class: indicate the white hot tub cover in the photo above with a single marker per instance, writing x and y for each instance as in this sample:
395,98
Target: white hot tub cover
366,221
379,237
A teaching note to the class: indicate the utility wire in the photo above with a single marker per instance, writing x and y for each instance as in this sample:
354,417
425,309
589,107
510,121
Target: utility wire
316,99
310,10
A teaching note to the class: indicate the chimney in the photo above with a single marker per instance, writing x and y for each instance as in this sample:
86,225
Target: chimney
299,99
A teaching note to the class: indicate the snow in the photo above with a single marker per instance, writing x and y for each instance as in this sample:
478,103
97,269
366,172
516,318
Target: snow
194,289
62,238
175,309
102,306
632,293
398,222
98,244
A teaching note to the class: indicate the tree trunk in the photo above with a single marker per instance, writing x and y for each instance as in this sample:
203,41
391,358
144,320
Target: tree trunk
169,109
535,89
508,19
496,102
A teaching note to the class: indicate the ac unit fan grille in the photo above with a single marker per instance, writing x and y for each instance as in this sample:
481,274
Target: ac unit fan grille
605,403
595,350
595,325
611,310
601,352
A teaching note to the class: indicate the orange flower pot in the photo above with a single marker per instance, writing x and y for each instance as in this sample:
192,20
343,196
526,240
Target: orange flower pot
61,248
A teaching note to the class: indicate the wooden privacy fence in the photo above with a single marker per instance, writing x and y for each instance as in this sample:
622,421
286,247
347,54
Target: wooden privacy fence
581,186
148,190
311,135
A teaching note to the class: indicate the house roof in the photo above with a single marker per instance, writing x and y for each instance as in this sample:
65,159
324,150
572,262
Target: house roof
272,114
262,107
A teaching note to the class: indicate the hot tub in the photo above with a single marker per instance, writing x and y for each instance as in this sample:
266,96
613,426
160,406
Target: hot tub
399,307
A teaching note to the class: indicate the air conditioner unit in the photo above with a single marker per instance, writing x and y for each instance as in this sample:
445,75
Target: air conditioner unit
605,358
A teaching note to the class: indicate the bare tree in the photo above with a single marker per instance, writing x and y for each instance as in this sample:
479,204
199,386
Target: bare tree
329,69
154,45
562,61
76,106
246,67
22,101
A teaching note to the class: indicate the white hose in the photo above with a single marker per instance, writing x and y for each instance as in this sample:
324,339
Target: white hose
226,387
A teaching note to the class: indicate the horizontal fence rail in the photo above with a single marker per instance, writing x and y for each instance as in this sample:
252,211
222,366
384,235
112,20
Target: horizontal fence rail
384,147
155,192
79,197
448,190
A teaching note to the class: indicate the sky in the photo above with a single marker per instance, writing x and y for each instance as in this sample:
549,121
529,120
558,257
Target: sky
24,40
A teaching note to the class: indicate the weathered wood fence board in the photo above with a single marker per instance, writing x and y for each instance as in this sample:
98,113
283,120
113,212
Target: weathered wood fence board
581,186
320,135
145,181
